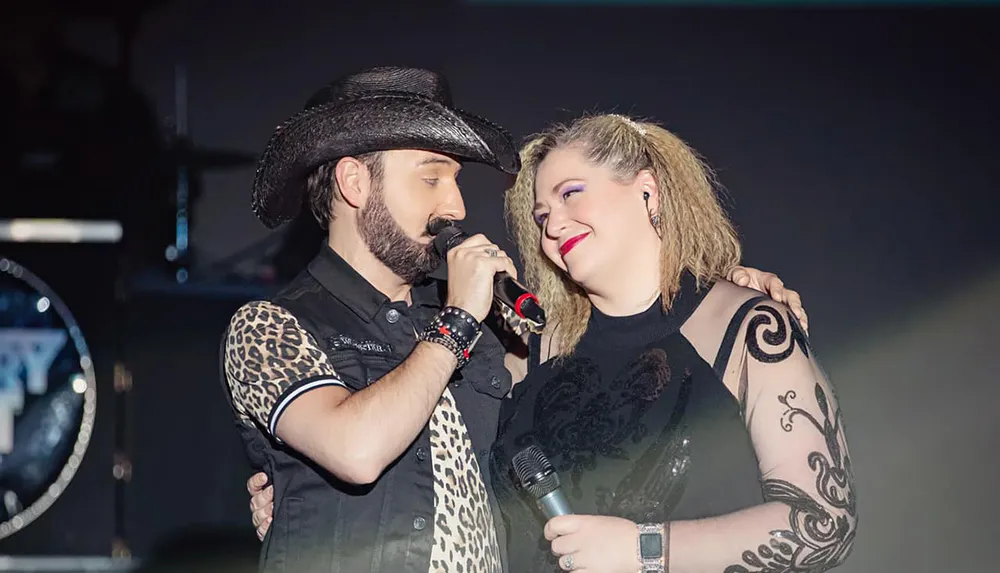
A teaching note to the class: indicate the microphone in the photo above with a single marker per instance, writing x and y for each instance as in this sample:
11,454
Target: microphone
539,478
506,290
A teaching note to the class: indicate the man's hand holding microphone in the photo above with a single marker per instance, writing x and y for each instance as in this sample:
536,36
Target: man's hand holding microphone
472,266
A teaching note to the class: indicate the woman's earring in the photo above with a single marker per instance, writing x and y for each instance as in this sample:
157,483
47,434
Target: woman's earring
653,219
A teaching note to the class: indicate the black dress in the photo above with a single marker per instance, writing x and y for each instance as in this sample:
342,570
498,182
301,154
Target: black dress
637,425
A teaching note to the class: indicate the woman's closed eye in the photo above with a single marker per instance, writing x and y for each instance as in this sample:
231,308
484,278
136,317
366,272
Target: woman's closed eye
566,193
570,191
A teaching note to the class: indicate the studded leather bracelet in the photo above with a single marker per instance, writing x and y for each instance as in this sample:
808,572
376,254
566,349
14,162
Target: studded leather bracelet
456,330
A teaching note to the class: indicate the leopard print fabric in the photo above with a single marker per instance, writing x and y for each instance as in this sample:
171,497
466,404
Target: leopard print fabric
517,324
464,532
268,352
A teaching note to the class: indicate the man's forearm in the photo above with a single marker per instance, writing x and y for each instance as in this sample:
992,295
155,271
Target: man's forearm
379,422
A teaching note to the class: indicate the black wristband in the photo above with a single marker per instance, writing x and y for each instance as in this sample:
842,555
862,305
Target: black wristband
456,330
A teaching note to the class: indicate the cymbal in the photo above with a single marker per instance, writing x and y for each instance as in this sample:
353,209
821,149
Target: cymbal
183,154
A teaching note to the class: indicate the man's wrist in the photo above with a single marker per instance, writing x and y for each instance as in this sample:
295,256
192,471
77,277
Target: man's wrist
441,353
454,329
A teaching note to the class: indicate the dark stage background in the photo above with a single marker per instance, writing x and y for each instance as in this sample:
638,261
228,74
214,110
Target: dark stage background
858,149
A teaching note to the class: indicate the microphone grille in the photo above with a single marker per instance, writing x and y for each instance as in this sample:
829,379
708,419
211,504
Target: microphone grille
446,235
535,472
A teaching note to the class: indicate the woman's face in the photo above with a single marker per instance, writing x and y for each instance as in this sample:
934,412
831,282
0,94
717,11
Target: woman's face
590,224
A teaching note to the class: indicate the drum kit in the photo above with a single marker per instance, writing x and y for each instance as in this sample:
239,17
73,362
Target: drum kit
48,380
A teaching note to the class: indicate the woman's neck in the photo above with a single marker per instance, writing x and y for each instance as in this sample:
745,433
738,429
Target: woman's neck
628,298
632,286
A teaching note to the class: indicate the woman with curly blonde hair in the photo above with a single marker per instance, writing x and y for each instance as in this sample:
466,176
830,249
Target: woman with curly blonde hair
689,422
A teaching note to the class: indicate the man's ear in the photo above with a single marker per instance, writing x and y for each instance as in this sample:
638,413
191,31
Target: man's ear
353,181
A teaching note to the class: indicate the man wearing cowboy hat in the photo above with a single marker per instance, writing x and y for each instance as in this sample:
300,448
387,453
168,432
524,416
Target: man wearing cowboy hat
367,392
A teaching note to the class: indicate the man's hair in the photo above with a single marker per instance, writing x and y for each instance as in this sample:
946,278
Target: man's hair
321,186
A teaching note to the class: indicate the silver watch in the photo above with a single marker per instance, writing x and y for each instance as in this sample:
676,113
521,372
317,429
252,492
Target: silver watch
652,547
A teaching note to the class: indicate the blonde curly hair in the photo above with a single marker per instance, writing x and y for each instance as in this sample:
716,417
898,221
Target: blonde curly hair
696,233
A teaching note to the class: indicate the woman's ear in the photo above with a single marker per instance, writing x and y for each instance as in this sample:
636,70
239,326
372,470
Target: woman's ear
646,184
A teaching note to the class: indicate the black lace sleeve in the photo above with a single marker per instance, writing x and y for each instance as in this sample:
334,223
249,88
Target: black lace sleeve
809,517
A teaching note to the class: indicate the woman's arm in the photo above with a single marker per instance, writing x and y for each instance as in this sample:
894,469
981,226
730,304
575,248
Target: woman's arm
809,517
795,422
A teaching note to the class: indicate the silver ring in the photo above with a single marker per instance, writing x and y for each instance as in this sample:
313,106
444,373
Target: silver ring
491,252
569,562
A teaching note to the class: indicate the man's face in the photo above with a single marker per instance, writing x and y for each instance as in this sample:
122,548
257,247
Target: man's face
416,188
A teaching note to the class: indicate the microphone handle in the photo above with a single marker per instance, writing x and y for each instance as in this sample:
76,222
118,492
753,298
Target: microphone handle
554,503
506,290
513,294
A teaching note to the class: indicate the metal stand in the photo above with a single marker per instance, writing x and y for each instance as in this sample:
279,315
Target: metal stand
177,253
121,468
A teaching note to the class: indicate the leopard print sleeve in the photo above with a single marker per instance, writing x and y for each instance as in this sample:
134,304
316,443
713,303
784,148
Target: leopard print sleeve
270,360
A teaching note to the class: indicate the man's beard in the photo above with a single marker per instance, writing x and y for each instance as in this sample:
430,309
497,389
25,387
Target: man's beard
406,258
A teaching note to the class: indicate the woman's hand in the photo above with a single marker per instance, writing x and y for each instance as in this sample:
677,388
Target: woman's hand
594,543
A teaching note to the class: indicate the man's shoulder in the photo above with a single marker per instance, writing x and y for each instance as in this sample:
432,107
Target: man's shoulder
303,283
258,313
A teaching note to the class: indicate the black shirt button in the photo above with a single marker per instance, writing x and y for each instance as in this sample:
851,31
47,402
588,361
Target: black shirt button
494,381
419,523
392,316
421,454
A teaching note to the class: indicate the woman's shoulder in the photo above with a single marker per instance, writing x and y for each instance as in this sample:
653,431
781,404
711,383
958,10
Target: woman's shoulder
723,301
719,318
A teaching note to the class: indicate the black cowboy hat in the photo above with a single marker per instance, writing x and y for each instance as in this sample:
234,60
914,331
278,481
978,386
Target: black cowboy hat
374,110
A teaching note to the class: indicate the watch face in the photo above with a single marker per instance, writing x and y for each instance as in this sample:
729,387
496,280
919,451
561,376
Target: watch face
650,545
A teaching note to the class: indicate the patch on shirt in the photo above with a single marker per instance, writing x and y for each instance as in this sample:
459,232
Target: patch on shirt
342,341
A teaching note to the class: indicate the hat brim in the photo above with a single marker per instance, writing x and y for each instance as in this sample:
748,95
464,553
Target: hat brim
379,122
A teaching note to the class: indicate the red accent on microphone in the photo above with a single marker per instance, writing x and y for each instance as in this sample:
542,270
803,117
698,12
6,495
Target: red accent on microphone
520,300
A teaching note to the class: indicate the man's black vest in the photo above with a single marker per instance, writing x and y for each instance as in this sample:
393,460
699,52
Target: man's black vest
321,523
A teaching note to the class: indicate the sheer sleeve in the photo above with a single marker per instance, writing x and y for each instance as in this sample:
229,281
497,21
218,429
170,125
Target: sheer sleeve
808,520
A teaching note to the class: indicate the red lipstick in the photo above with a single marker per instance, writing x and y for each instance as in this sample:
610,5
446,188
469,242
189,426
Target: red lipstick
572,242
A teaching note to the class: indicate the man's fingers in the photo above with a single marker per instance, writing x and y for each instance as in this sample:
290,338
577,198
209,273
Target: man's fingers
263,499
794,302
508,266
475,241
262,528
774,286
260,516
255,482
740,277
